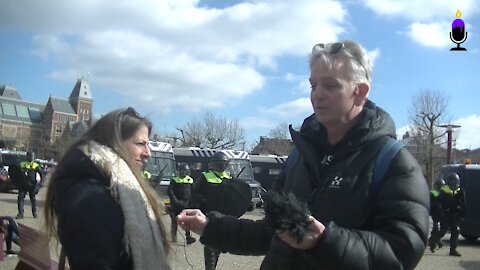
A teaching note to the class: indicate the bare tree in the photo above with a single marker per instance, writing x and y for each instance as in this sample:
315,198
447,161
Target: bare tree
429,109
279,132
212,132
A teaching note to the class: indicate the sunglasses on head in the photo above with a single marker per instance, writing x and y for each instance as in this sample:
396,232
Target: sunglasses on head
330,48
333,49
131,112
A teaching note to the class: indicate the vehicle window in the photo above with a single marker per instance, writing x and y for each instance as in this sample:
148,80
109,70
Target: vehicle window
161,163
197,166
10,158
257,170
240,168
274,171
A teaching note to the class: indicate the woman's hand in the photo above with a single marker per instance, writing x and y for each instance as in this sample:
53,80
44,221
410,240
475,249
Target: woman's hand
192,220
311,238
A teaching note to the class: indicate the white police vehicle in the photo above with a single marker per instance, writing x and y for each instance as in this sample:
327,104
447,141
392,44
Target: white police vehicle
267,168
161,166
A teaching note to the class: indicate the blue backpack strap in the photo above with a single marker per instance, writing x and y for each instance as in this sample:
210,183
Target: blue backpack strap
384,158
291,158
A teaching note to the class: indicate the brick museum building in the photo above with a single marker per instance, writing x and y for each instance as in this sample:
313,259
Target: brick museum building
26,125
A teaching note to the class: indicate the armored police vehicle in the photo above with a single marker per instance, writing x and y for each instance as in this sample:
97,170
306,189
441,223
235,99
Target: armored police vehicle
267,168
470,183
239,166
161,167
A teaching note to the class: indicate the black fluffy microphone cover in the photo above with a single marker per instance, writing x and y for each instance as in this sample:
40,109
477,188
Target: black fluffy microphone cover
284,212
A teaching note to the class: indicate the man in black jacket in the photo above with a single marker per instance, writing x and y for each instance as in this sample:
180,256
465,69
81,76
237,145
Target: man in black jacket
352,225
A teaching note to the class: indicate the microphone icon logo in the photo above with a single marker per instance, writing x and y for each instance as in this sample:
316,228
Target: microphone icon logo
458,35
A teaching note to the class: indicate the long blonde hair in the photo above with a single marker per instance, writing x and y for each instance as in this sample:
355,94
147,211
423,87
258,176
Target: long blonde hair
111,130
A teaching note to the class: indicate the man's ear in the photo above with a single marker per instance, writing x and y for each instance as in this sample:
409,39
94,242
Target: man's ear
361,93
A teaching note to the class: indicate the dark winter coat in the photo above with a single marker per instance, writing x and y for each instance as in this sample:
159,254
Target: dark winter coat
231,197
385,228
436,211
179,194
90,221
453,203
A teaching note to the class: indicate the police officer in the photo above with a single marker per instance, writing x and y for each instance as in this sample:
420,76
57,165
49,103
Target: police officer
30,169
453,204
146,174
436,212
218,191
179,191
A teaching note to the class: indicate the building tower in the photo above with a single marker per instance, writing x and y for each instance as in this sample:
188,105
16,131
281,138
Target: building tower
81,100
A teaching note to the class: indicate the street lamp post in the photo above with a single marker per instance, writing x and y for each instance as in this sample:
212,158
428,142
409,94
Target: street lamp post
449,128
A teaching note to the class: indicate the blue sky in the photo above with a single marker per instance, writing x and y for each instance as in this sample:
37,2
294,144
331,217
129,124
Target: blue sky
245,60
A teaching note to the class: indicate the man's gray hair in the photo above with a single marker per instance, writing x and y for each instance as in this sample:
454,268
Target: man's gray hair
355,54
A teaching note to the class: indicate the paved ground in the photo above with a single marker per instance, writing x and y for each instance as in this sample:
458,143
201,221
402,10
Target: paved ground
470,259
194,252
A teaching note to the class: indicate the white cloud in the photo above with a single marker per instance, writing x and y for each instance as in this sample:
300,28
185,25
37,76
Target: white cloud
467,135
292,109
374,55
424,10
431,34
303,85
428,24
172,54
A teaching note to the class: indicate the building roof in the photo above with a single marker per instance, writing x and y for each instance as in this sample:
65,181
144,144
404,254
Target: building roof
281,147
23,111
62,105
81,90
9,92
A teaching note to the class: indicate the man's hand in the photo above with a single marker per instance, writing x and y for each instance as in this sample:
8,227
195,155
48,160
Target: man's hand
311,238
192,220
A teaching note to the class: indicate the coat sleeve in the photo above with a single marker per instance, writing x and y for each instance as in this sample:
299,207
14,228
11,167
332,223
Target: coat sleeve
397,230
236,236
198,199
171,194
90,226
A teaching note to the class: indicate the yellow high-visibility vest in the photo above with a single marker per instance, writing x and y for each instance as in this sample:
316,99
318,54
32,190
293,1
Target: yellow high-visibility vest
213,178
186,180
29,165
448,190
147,175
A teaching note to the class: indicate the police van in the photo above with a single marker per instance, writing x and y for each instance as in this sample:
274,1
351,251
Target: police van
470,183
161,166
267,168
239,166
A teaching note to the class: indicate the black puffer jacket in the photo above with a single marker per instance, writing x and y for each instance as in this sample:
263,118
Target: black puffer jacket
90,221
365,229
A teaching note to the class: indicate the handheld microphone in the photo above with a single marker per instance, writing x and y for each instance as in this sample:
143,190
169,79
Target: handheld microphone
458,35
285,212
